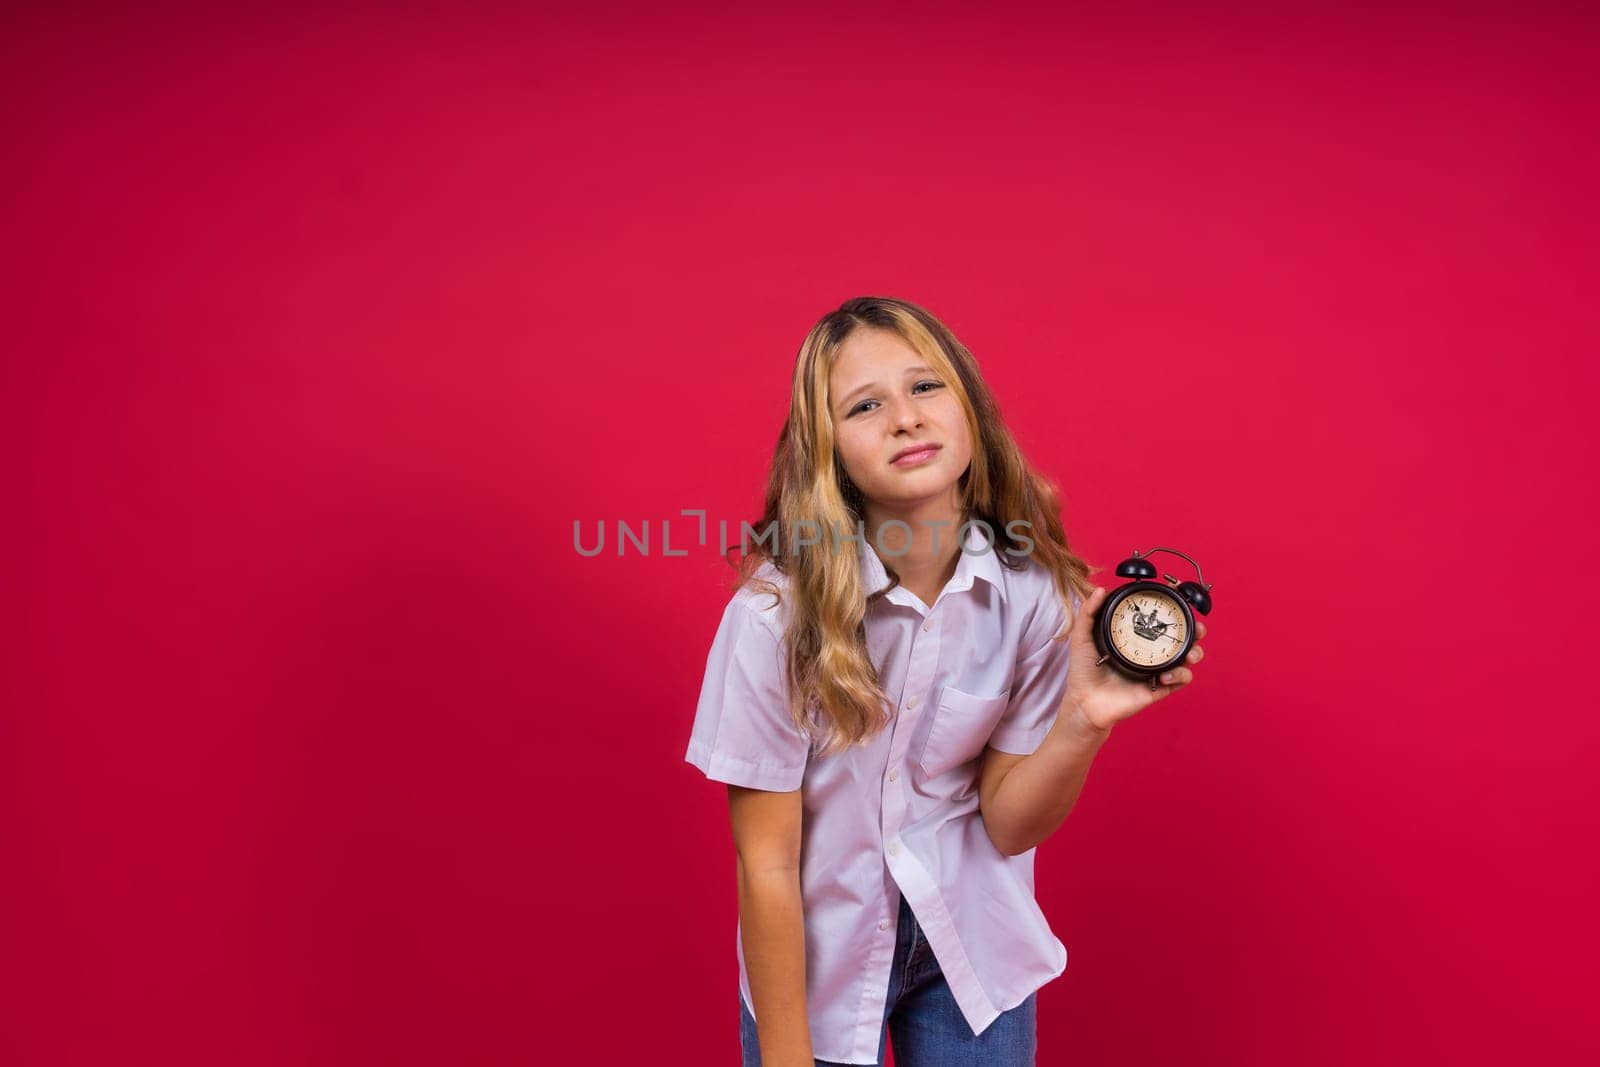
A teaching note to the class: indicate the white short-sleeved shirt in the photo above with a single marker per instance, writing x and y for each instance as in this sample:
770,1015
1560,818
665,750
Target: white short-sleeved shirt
899,815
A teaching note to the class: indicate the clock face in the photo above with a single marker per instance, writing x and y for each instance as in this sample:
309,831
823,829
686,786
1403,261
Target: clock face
1148,627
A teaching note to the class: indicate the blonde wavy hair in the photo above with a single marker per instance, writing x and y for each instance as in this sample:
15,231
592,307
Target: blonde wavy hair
835,695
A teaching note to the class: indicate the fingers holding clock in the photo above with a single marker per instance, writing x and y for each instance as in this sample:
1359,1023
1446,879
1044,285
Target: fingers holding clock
1196,654
1183,675
1180,676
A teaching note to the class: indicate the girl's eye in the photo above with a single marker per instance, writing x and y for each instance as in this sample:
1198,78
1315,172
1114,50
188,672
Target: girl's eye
863,405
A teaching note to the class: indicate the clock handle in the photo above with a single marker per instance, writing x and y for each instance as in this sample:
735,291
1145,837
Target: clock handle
1197,594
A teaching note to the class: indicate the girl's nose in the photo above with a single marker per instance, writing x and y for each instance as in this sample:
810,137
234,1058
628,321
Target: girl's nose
905,413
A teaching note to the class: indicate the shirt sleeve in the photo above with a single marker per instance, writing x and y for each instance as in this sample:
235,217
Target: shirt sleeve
1037,685
742,731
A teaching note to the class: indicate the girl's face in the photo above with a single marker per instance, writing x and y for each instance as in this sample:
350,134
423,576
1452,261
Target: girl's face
884,400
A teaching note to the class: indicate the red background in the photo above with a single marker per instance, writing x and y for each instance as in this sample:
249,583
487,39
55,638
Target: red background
320,742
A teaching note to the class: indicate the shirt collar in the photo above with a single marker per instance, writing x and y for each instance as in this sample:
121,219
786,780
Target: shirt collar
979,559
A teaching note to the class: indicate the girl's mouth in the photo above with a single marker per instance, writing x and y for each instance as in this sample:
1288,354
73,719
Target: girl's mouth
920,456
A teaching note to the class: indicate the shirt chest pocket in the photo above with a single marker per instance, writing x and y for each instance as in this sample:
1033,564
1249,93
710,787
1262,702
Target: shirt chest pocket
962,724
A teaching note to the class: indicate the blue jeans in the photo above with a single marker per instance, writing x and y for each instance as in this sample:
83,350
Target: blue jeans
921,1013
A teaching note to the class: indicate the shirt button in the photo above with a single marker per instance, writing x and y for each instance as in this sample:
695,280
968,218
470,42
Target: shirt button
883,924
927,626
894,776
911,703
894,848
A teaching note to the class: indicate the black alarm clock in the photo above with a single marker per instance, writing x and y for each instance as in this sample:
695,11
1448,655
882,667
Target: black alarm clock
1146,627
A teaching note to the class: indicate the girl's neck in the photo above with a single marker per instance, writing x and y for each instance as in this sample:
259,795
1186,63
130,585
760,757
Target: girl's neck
926,558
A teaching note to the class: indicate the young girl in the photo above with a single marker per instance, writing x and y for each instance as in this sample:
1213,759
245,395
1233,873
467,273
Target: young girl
902,707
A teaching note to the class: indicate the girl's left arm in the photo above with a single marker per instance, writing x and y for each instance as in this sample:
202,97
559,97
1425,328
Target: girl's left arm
1025,799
